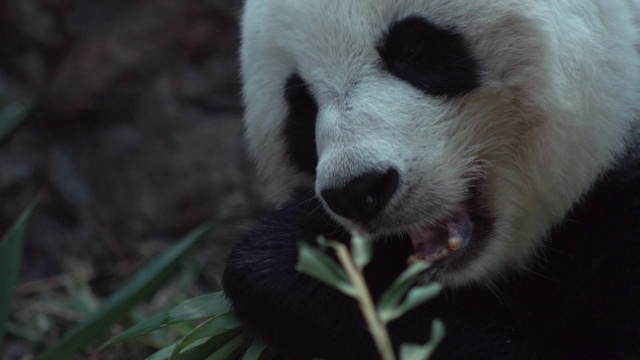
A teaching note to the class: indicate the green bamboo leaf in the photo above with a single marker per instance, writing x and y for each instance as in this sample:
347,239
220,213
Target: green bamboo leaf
201,307
143,283
217,325
423,352
416,297
198,350
361,250
392,296
259,350
317,264
164,353
11,115
322,242
11,246
231,349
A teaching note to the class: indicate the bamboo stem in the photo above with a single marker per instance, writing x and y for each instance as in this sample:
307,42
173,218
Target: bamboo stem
363,296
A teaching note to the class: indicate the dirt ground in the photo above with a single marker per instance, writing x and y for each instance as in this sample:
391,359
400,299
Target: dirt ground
135,139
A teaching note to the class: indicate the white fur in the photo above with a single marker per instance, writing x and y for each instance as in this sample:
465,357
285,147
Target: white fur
558,95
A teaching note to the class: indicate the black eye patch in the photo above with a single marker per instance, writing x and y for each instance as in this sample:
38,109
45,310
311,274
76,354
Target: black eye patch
432,59
300,126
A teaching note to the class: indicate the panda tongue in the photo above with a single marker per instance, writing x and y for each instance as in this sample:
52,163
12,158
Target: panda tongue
437,242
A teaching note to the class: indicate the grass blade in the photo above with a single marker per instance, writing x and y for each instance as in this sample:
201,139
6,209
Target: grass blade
215,326
201,307
231,349
259,350
11,246
143,283
11,115
164,353
198,350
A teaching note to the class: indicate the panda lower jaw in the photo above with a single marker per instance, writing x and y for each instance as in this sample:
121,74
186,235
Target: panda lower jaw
442,243
449,244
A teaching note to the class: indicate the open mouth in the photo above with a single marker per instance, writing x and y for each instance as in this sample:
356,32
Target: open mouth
455,237
444,240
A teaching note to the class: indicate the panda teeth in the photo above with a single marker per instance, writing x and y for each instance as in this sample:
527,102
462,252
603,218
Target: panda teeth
443,253
454,243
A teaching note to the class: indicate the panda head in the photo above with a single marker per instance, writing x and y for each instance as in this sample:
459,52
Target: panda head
470,127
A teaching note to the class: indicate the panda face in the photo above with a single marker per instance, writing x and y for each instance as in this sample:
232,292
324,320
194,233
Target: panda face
468,127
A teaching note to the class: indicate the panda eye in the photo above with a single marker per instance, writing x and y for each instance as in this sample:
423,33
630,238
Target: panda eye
299,130
432,59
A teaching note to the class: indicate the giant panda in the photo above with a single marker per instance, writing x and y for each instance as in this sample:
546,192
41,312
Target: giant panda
511,125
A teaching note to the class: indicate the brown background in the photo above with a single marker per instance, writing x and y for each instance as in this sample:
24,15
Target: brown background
135,140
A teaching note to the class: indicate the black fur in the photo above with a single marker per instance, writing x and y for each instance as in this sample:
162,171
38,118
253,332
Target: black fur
432,59
300,126
580,301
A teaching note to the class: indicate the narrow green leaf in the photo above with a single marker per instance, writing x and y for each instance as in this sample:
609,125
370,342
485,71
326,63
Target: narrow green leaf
361,250
317,264
416,297
415,352
212,327
322,242
392,296
198,350
231,349
164,353
259,350
203,348
11,246
11,115
143,283
421,294
424,352
201,307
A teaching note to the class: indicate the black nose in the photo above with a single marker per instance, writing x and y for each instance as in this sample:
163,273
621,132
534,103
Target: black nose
363,197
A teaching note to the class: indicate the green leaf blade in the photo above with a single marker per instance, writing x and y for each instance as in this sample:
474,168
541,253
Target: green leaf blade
214,326
424,352
201,307
198,350
317,264
231,349
392,296
362,250
143,283
258,350
164,353
416,297
11,248
11,115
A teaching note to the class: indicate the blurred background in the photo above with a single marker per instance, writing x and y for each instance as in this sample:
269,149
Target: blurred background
133,138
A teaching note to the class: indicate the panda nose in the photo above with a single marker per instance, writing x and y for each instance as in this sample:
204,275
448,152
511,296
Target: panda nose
362,198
